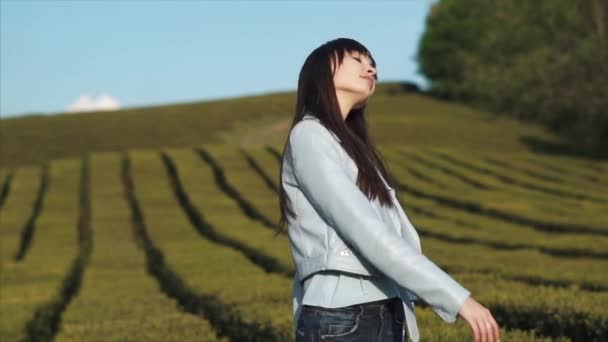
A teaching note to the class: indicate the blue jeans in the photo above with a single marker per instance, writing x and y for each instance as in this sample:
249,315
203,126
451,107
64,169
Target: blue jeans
378,321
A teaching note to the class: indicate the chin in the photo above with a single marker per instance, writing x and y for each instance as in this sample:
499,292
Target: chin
365,92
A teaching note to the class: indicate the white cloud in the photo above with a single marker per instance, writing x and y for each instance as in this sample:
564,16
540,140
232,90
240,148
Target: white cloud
86,103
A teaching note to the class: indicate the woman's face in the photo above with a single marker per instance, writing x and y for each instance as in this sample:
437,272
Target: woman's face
355,77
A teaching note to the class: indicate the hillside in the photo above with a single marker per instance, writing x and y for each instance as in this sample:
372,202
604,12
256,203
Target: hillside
158,224
395,117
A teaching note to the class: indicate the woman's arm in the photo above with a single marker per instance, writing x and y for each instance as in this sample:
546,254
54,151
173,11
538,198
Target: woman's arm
325,183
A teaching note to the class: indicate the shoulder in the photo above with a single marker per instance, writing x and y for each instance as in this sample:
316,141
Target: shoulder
307,126
311,141
311,131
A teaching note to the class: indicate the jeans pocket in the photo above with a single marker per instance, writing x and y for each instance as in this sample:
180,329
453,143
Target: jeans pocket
339,323
339,330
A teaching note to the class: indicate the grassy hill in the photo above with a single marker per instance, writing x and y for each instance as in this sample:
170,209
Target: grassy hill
157,224
395,117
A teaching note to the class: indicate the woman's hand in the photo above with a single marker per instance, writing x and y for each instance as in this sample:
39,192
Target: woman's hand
483,324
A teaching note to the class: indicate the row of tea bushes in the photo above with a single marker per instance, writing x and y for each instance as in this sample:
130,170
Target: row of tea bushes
571,168
35,289
239,298
222,219
433,329
460,225
18,209
198,182
229,164
6,177
532,173
218,290
586,273
117,300
502,174
456,224
511,208
266,295
516,208
396,160
522,198
577,314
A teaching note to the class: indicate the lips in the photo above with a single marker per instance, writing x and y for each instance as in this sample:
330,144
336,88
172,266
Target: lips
369,81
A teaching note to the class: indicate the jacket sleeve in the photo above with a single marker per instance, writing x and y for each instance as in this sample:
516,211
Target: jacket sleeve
325,183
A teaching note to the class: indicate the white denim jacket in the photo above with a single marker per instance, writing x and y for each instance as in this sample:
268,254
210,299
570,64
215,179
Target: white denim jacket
339,228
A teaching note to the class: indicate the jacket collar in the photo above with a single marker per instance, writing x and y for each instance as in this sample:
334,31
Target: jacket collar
307,115
310,116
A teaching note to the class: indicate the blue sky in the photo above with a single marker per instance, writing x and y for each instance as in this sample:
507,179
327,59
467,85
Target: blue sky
141,53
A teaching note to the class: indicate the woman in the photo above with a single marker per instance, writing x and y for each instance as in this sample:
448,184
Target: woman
358,258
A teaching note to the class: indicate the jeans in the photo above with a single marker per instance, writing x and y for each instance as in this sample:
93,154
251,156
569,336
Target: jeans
378,321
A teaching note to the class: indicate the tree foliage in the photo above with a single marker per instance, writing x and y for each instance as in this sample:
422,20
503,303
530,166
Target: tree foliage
543,61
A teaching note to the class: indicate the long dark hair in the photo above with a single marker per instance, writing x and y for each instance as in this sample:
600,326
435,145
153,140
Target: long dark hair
317,96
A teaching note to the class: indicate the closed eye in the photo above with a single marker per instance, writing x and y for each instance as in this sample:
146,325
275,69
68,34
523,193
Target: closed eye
359,59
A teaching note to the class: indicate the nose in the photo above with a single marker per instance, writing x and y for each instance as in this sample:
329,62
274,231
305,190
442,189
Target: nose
371,71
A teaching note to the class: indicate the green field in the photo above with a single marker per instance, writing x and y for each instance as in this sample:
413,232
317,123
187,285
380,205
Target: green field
157,224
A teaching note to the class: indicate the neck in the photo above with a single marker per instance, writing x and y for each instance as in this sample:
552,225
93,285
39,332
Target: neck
345,102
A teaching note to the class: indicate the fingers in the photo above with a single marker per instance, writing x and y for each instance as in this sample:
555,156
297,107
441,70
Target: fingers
477,331
483,324
492,327
495,329
489,328
482,331
485,328
487,332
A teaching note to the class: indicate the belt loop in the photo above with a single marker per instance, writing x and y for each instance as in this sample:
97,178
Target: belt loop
361,310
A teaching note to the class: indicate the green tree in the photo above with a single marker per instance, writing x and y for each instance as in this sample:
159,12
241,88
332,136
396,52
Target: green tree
543,61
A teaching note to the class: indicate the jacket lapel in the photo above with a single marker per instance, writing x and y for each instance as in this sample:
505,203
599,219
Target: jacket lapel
407,229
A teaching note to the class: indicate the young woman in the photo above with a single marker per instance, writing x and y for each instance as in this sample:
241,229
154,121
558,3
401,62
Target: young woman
357,255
